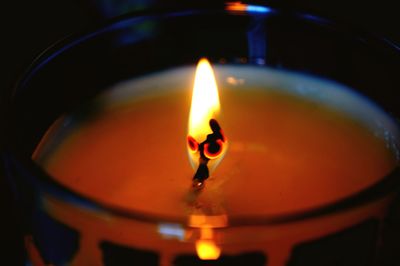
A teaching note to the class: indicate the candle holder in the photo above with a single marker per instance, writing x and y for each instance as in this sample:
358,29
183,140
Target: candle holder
66,226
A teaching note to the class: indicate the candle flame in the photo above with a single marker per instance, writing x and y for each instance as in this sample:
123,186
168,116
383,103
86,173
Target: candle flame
206,141
205,101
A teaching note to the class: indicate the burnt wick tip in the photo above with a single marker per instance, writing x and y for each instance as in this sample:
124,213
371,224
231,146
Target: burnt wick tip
202,172
215,127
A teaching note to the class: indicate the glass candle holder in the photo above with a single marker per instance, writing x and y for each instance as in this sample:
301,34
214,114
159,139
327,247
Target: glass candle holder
308,112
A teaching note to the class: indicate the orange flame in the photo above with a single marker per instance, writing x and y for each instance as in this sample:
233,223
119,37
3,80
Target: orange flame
205,107
205,101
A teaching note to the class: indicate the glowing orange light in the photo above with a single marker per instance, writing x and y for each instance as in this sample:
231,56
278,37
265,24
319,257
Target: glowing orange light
204,114
236,6
207,250
193,145
213,151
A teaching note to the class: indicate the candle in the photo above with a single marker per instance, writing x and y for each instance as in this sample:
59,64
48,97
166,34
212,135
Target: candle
290,143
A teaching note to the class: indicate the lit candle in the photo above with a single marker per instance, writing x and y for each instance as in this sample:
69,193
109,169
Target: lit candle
295,143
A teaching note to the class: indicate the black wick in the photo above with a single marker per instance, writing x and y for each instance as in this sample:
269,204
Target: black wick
208,147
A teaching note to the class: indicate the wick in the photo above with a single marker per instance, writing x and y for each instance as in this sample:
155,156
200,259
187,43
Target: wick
211,142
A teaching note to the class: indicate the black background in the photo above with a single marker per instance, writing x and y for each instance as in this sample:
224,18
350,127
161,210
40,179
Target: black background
30,26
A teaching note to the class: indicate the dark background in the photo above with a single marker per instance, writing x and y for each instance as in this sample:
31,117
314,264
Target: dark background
30,26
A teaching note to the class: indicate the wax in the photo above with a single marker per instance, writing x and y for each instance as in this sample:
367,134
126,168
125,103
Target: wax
288,150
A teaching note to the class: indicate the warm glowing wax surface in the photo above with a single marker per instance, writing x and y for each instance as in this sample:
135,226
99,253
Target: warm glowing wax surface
286,153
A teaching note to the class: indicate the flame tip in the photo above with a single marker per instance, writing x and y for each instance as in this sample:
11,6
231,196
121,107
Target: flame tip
203,59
